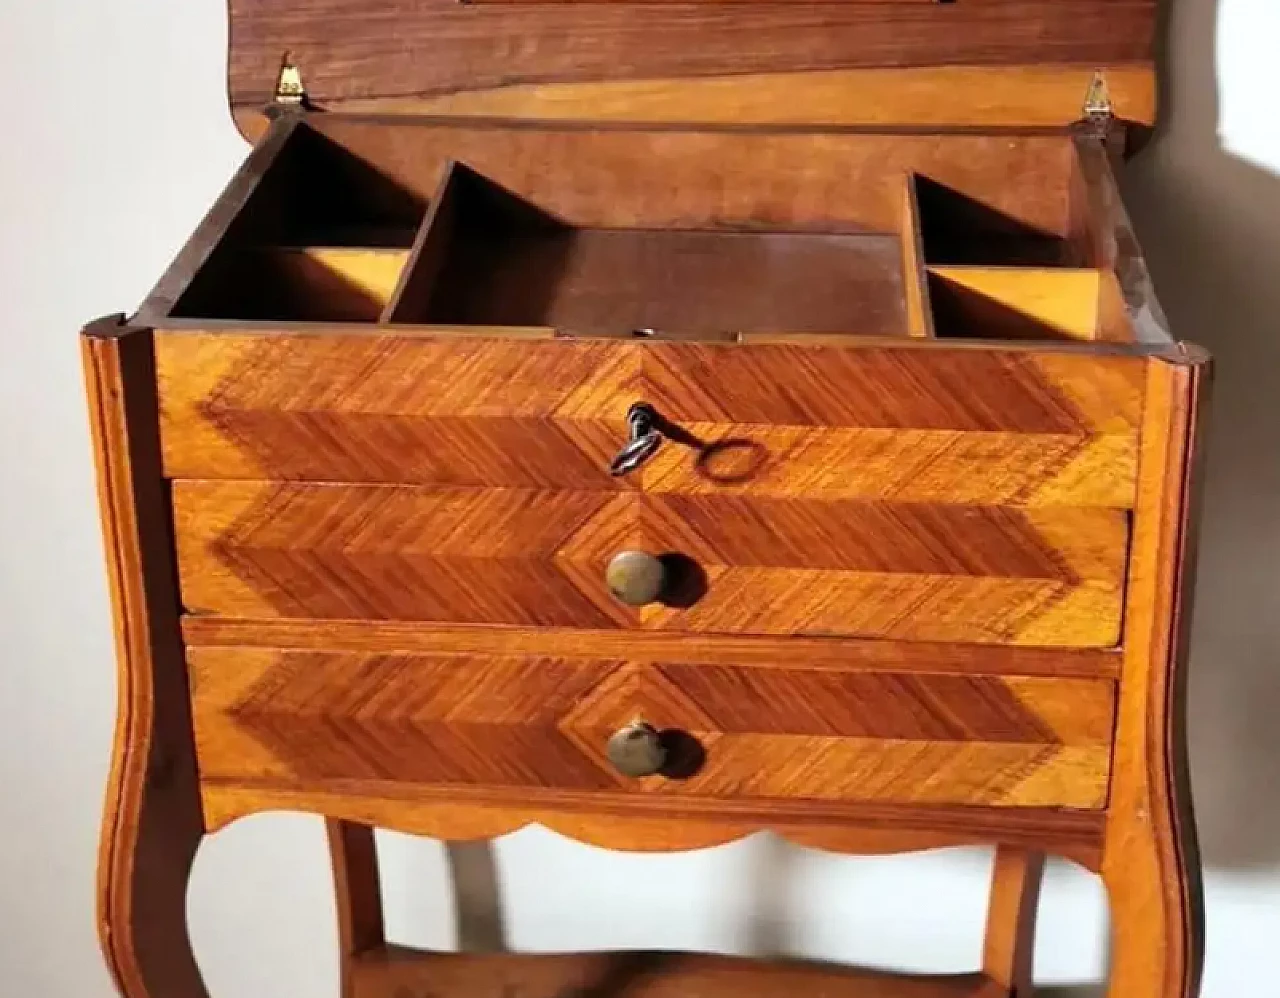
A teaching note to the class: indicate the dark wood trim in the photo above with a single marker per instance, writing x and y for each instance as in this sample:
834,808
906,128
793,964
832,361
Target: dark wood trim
1104,232
353,854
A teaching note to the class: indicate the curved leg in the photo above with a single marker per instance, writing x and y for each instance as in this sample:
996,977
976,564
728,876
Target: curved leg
1150,862
149,843
1157,928
358,894
1008,949
153,823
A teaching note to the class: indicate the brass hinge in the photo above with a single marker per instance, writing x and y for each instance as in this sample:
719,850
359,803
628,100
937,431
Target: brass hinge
289,87
1099,111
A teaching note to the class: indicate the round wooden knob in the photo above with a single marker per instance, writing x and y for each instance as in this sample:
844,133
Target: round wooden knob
637,750
636,578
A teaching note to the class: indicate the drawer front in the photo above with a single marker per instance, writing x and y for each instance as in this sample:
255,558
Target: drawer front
311,722
912,424
922,494
932,572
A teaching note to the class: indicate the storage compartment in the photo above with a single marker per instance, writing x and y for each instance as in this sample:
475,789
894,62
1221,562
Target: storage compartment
669,233
545,721
491,258
323,236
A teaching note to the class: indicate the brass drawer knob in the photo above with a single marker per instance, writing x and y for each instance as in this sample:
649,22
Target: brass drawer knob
637,750
636,577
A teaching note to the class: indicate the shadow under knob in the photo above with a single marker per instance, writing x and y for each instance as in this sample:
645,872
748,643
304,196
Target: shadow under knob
637,750
636,577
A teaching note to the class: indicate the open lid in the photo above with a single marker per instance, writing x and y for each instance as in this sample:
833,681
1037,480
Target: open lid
908,63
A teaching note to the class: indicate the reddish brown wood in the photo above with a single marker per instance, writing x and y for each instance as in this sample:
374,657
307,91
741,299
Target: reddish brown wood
1009,946
391,47
652,823
357,895
842,654
1151,865
153,823
316,721
939,98
379,498
501,411
533,558
650,177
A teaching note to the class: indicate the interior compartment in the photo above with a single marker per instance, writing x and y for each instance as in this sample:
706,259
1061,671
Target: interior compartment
304,284
488,257
1015,302
959,229
323,237
680,232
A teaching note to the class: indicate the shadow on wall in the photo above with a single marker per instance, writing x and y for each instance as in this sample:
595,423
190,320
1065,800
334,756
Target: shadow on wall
1210,225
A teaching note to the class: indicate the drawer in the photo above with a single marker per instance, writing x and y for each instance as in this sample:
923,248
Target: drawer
969,495
949,424
304,721
735,563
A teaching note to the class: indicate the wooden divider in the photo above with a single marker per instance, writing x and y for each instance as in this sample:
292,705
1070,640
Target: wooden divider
915,279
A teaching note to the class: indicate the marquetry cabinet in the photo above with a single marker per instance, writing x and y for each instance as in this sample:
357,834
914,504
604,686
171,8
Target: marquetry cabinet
661,422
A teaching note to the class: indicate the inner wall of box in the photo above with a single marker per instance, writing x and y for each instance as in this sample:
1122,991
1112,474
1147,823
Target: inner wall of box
700,233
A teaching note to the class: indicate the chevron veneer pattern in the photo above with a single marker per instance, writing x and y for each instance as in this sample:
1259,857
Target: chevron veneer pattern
947,425
312,721
537,558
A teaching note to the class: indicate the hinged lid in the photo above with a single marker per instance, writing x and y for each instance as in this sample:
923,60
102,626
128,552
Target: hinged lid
923,63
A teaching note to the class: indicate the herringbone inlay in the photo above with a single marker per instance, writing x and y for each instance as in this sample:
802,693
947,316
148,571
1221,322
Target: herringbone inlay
969,495
312,720
963,425
538,557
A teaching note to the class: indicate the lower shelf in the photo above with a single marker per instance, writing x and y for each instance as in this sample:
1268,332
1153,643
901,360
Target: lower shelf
397,972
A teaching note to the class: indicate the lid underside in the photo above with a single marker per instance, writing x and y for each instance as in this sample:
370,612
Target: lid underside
867,62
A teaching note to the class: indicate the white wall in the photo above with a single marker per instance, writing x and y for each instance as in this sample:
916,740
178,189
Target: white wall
116,138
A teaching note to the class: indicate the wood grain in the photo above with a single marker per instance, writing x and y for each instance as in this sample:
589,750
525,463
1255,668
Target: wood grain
924,97
152,825
674,177
956,425
653,823
763,566
1151,864
298,284
312,720
653,646
397,972
353,855
388,48
1008,948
